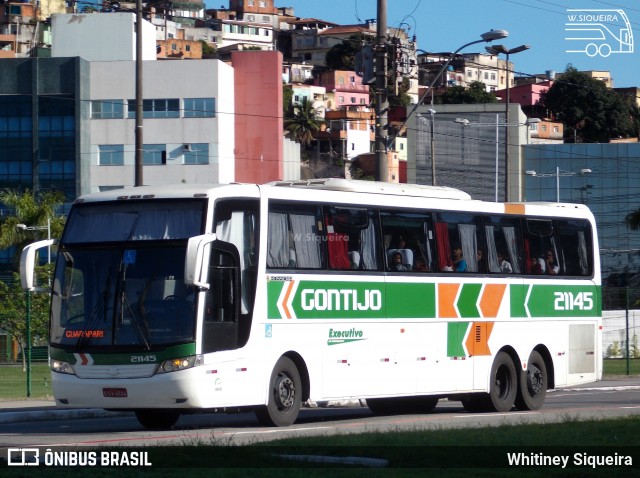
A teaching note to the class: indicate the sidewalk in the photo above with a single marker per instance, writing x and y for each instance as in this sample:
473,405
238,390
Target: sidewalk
13,411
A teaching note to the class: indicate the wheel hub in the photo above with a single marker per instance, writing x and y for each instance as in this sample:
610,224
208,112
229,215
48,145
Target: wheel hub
285,392
535,380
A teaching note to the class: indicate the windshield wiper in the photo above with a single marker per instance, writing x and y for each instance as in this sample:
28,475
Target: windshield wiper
139,324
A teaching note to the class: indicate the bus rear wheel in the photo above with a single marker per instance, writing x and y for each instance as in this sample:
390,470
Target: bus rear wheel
533,384
503,387
285,396
157,419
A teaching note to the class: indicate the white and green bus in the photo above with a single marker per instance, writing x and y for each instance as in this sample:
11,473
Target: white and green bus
174,299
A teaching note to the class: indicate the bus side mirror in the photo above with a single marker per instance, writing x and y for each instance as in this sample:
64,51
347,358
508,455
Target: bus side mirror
197,256
28,263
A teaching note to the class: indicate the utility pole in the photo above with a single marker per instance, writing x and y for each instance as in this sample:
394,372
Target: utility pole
382,101
139,112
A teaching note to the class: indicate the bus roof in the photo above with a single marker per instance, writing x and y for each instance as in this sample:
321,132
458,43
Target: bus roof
162,191
375,187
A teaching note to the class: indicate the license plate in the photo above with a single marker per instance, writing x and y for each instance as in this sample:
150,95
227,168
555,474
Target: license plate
114,392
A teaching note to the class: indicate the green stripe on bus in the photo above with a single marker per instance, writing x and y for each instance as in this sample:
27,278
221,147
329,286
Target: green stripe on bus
555,301
468,301
131,358
411,300
274,288
456,332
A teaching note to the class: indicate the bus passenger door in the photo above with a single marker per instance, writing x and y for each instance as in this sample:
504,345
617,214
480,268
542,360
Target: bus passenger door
222,300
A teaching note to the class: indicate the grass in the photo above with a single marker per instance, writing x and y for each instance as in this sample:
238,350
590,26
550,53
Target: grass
619,367
443,453
13,381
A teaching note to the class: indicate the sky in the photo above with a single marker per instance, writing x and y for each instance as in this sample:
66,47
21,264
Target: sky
441,26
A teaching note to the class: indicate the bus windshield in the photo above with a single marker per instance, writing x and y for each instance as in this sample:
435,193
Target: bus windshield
131,295
134,221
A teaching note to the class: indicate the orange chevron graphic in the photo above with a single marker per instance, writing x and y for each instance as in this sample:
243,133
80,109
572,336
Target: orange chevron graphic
478,339
285,302
491,299
447,294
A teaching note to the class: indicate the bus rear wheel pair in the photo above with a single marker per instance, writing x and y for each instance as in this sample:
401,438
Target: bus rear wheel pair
527,391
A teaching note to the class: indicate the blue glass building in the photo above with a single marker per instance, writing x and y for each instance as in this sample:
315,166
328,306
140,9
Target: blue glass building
611,190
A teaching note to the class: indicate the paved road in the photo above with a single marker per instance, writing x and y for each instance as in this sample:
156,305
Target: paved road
13,411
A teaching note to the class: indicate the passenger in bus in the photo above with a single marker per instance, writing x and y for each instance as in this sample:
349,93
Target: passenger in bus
551,265
398,243
421,264
505,265
459,264
482,266
396,262
536,265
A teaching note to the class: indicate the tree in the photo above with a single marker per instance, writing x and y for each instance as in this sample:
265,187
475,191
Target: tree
474,94
287,97
25,208
303,122
632,220
343,55
207,50
591,112
13,311
402,98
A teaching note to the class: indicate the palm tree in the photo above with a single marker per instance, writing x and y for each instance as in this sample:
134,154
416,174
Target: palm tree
304,121
633,220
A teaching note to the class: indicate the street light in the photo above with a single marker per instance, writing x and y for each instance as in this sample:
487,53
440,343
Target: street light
497,124
24,227
485,37
495,50
558,174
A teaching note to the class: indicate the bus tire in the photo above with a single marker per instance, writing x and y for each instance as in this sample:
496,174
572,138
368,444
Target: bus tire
476,402
533,384
381,406
503,385
157,419
285,396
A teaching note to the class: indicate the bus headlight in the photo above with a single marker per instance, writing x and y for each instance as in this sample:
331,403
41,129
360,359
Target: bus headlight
181,363
62,367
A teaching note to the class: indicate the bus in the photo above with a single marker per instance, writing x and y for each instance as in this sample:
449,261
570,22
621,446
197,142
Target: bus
168,300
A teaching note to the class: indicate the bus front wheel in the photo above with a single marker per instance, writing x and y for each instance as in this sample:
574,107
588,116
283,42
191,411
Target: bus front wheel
532,389
285,395
157,419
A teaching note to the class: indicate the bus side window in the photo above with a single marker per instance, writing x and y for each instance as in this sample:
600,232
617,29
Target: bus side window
541,247
351,238
502,236
408,237
575,246
294,238
458,239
